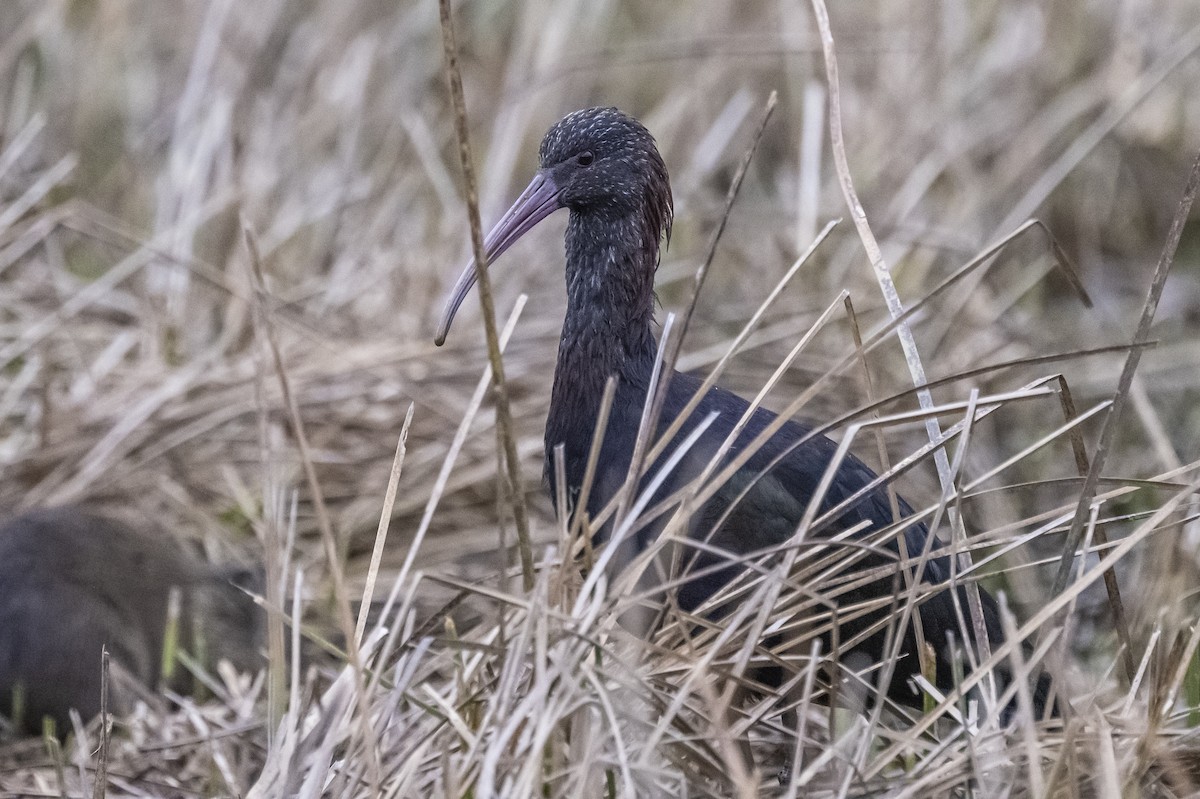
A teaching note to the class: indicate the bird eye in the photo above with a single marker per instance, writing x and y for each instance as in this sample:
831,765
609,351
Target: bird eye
585,159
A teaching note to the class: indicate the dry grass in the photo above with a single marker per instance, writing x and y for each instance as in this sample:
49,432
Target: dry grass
140,141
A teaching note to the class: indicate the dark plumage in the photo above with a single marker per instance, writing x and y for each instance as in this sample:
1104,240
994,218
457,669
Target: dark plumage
605,168
72,581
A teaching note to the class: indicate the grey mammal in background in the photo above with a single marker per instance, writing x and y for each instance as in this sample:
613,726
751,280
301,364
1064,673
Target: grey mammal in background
72,581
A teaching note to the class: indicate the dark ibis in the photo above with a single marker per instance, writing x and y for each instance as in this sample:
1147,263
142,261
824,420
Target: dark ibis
73,581
604,167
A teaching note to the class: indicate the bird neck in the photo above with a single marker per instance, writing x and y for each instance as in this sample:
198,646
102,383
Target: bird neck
610,298
608,329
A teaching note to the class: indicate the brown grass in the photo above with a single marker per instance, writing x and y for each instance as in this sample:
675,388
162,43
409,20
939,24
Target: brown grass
140,141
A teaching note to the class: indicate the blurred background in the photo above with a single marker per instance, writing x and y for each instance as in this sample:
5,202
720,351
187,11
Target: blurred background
137,139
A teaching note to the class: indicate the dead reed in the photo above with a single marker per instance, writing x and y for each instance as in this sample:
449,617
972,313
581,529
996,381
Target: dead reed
139,146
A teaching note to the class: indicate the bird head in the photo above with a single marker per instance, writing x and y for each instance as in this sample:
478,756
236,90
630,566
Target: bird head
605,162
600,163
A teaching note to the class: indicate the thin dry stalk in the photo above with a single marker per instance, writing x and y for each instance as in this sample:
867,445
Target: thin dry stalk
385,515
336,566
882,274
1132,359
504,422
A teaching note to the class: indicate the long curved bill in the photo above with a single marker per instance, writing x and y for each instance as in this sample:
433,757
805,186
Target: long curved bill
538,201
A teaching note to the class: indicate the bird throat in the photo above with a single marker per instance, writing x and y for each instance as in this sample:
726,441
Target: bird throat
608,330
